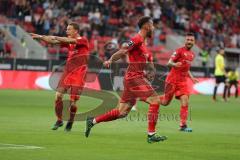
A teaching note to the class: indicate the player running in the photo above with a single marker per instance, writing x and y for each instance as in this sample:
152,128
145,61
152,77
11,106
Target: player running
135,83
176,81
73,78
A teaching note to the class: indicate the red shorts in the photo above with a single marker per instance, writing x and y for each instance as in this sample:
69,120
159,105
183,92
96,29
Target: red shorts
136,88
72,82
178,89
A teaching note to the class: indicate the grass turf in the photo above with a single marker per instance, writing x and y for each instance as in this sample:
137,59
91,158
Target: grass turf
27,116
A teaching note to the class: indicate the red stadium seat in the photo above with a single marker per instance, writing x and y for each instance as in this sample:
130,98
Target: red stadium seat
113,21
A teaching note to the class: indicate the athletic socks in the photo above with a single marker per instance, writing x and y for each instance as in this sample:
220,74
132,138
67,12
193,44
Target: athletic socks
183,115
152,118
109,116
215,92
225,92
59,108
114,114
73,110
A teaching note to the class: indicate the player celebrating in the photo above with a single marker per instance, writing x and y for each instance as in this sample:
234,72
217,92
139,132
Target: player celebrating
176,81
73,77
135,83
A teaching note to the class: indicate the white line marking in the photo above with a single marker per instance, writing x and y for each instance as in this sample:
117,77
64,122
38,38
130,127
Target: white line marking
16,146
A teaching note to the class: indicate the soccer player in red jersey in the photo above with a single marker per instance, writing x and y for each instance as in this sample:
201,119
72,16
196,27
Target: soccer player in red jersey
135,83
176,81
73,78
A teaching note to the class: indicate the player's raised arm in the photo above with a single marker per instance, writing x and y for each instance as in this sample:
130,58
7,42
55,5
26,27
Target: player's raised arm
126,47
48,39
72,36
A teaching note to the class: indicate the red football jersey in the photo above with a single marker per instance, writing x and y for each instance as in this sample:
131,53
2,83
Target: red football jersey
76,67
79,49
139,56
184,56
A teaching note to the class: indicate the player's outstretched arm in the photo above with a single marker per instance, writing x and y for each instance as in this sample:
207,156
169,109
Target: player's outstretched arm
48,39
119,54
66,40
116,56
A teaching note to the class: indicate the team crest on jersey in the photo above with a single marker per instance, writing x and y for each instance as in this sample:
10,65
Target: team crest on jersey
130,43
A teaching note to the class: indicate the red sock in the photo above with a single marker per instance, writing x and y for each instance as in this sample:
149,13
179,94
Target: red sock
73,110
59,109
183,115
152,117
109,116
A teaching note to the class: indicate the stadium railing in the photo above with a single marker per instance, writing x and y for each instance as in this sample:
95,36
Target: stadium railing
23,45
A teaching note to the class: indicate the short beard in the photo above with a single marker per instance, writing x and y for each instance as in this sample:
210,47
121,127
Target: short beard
189,47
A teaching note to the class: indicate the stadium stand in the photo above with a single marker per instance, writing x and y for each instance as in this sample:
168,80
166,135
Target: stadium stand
103,20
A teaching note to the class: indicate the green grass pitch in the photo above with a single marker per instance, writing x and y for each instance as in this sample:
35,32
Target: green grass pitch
27,116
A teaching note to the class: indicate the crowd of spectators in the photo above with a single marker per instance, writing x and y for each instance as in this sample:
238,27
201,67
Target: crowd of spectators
2,51
96,17
214,22
99,19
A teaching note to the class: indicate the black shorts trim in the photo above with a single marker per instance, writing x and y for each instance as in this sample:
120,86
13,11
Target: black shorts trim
220,79
233,82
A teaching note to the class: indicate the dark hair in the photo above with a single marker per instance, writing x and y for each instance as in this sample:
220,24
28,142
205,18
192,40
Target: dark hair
219,48
143,20
75,26
190,34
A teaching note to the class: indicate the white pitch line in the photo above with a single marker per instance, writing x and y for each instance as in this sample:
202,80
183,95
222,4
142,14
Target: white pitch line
16,146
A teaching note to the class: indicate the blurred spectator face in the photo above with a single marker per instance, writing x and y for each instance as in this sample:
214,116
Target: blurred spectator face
71,32
189,41
149,28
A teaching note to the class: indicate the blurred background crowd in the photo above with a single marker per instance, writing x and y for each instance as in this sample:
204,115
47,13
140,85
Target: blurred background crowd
215,23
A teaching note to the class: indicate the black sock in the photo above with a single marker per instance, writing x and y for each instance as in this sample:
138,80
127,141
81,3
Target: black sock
236,92
215,92
225,92
229,91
